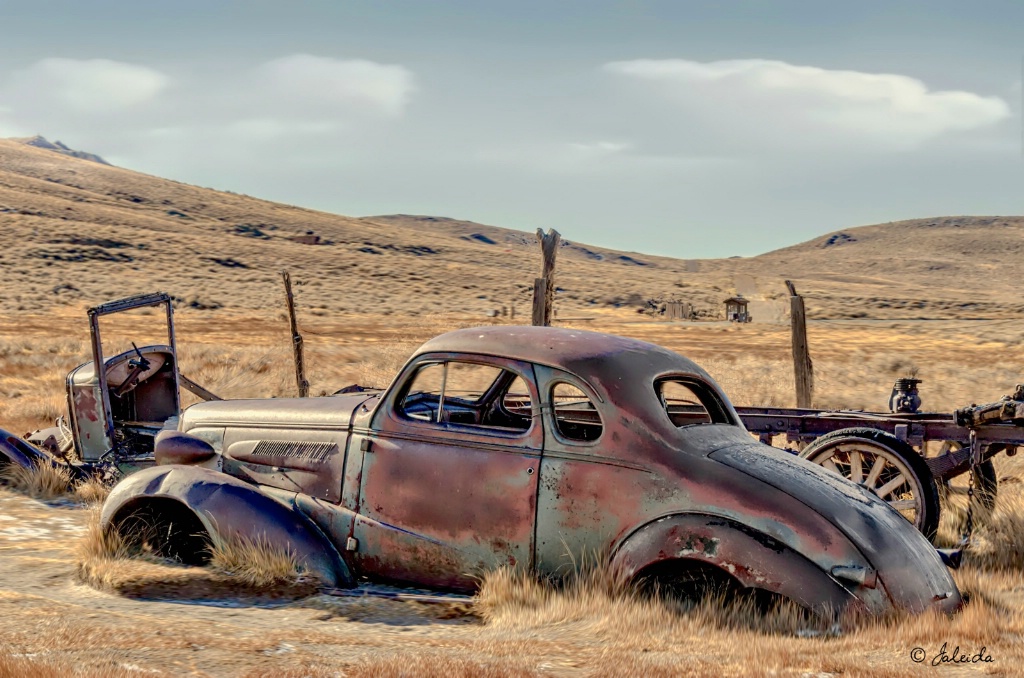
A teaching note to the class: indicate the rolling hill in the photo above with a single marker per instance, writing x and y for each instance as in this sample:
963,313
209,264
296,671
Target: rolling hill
75,231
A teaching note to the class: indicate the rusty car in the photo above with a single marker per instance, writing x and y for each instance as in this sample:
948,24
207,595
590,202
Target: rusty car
528,447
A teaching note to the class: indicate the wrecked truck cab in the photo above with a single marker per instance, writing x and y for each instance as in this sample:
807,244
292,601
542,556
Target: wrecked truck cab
531,447
114,412
137,395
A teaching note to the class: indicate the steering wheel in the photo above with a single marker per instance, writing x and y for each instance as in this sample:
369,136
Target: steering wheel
138,367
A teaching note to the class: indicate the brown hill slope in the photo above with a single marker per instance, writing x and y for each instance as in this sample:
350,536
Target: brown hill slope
78,230
923,268
73,231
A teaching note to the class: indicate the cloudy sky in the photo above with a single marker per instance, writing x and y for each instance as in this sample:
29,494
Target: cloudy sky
691,129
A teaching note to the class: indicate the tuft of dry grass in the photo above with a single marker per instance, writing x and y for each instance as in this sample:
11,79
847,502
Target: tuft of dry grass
47,482
998,542
109,561
256,563
91,491
596,595
42,480
739,639
98,544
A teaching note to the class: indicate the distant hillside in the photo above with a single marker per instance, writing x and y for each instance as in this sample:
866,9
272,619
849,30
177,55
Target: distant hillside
938,267
77,231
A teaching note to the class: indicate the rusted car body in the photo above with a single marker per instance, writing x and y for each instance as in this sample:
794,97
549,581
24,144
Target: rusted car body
576,444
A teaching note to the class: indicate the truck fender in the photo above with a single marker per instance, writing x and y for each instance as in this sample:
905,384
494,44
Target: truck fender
14,450
753,559
228,507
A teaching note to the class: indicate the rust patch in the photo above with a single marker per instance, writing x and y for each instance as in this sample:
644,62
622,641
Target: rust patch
85,404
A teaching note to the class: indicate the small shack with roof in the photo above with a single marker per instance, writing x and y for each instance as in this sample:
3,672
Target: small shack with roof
736,309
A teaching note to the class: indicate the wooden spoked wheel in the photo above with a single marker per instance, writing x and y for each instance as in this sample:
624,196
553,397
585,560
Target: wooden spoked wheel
885,465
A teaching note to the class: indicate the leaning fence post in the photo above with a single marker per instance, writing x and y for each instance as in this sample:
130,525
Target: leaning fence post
544,286
300,366
803,368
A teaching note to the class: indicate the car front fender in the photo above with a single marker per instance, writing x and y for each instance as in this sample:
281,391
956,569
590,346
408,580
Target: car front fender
753,559
228,507
15,450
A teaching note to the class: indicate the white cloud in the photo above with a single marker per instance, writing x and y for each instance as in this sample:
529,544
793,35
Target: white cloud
272,128
774,102
88,86
601,147
309,82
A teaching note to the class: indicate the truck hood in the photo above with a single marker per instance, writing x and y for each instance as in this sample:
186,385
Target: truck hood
334,412
907,564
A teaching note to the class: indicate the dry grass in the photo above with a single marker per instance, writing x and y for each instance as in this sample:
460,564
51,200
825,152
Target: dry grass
251,569
510,599
740,640
256,563
405,664
97,548
42,480
21,665
91,491
998,542
48,482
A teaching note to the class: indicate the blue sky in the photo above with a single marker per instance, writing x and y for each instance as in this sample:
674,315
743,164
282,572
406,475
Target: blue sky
692,129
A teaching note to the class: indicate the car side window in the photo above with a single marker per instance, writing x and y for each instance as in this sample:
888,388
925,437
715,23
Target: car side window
575,416
517,399
689,402
467,394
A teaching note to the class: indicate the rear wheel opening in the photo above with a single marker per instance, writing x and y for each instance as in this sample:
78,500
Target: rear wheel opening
690,583
687,581
165,528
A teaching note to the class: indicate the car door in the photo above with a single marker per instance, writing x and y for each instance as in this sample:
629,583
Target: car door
448,487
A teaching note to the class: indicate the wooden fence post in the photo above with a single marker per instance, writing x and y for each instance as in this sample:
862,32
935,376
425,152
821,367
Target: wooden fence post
544,286
300,366
803,368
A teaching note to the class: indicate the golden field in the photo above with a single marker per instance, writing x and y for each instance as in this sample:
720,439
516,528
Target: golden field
516,627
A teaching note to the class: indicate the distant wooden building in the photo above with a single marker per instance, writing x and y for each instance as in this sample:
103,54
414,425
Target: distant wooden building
679,310
736,309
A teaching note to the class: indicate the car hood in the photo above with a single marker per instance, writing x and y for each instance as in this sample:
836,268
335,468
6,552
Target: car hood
329,412
907,564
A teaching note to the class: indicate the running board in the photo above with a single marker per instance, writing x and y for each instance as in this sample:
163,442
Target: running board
362,592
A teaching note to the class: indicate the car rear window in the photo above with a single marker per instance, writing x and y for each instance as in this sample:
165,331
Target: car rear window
576,418
691,402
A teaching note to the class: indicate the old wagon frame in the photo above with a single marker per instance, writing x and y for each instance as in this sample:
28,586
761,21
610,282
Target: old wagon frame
970,437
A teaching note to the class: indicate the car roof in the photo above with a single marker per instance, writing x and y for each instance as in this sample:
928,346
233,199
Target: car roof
578,351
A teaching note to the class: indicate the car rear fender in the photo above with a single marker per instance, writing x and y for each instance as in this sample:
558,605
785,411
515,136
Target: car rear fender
230,508
755,560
